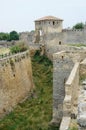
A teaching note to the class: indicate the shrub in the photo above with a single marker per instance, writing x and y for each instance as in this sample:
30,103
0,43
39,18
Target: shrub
42,59
18,48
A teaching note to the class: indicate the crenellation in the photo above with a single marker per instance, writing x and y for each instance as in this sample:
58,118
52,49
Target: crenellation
16,57
72,30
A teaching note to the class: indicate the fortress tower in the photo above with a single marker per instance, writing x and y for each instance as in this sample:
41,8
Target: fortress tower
46,25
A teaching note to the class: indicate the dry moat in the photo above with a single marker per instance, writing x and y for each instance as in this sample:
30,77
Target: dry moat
36,112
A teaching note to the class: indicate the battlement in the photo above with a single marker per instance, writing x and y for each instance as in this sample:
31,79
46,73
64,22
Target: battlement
9,57
72,30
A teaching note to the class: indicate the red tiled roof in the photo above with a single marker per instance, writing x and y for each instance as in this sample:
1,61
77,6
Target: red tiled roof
49,18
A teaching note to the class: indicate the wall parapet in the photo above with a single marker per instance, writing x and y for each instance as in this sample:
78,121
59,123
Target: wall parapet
14,57
62,66
65,123
71,85
72,30
71,97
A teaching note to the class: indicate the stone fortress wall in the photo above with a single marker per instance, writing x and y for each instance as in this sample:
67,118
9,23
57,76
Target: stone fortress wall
71,98
15,80
50,29
64,37
66,63
67,37
62,65
66,71
66,66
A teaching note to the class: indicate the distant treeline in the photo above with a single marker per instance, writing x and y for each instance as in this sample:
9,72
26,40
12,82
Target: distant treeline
13,35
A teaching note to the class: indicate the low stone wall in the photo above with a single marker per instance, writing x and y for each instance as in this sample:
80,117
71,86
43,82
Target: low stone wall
65,123
71,97
15,80
78,53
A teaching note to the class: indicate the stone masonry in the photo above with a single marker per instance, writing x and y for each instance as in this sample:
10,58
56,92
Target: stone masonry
71,98
50,29
15,80
62,65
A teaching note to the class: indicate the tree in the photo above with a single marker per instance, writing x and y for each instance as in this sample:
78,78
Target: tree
78,26
14,36
4,36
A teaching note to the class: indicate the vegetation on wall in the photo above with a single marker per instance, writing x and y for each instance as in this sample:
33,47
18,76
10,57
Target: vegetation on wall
19,47
36,112
77,44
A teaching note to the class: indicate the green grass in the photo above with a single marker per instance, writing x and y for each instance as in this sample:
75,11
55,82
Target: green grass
82,78
77,44
36,112
4,50
74,128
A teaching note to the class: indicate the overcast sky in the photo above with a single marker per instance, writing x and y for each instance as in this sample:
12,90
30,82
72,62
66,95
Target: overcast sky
19,15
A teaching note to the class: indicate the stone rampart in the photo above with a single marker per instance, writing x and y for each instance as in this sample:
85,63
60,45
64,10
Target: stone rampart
71,97
67,37
29,37
15,80
62,66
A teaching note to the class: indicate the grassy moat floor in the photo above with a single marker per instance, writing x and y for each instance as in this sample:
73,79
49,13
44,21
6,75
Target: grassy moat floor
36,112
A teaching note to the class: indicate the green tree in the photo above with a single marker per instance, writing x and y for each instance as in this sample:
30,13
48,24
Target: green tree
14,36
78,26
4,36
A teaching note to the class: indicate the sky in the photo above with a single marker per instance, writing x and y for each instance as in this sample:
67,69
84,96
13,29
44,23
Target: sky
19,15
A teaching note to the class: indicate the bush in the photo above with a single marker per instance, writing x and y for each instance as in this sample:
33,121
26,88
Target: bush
18,48
42,59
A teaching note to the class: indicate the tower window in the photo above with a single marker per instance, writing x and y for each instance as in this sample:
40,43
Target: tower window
53,23
59,42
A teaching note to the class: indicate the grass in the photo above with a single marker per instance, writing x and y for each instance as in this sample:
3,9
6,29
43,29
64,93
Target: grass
77,44
73,125
36,112
4,50
82,78
73,128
